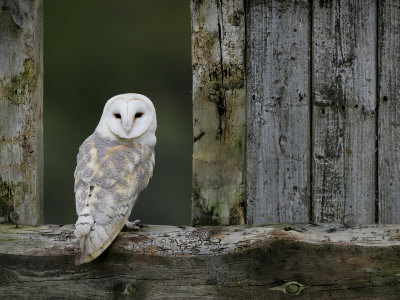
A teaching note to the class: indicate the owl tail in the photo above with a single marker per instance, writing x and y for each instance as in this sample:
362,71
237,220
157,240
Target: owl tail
97,241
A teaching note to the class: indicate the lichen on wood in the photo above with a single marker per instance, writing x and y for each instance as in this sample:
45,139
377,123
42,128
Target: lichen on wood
218,104
21,92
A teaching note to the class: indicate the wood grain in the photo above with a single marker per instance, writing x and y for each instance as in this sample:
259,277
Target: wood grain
21,106
389,107
344,111
219,103
236,262
278,119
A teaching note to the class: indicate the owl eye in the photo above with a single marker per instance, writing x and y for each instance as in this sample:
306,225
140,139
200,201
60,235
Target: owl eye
118,116
138,115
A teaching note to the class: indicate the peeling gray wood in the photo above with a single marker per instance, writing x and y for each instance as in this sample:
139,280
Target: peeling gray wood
219,103
278,119
236,262
344,86
21,93
389,107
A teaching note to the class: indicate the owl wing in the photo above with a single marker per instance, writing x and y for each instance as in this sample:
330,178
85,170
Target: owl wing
106,188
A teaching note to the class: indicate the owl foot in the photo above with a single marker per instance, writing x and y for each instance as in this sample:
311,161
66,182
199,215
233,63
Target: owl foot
135,225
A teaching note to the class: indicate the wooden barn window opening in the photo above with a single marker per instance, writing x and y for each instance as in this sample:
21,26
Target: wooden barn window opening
295,120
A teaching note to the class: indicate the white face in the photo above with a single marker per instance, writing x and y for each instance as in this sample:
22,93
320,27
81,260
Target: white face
129,118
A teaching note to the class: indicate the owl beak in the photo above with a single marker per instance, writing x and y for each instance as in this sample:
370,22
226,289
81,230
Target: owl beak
127,126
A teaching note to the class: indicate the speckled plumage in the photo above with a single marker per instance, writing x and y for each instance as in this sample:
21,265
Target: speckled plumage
109,175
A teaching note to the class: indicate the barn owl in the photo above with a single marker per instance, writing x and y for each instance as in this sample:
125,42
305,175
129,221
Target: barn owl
114,165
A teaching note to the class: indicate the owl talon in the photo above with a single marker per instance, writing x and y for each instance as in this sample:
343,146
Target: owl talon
135,225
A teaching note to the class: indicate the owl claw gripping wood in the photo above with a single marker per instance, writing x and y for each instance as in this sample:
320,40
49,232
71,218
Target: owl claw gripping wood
114,165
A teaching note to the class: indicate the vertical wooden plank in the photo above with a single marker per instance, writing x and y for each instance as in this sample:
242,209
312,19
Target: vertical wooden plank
278,120
344,86
21,93
219,103
389,111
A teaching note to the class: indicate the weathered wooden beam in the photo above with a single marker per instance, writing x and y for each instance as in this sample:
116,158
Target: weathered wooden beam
158,262
388,113
21,106
278,113
219,105
344,116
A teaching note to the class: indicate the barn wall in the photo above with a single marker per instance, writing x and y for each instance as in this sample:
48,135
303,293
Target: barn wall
320,111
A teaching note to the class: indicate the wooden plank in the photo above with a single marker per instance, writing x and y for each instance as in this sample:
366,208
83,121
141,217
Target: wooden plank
344,103
219,102
278,119
389,108
246,262
21,106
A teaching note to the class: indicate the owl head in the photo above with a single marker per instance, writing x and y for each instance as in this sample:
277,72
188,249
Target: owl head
128,116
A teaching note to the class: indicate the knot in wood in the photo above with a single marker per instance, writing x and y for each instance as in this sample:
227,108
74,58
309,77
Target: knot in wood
14,217
291,288
15,10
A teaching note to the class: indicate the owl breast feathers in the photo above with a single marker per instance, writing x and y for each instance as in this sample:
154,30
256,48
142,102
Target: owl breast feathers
114,165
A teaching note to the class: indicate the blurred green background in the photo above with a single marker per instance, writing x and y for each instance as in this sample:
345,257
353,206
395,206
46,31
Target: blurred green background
95,49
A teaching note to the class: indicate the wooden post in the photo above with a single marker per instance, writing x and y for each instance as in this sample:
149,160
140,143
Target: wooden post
278,118
219,103
344,104
388,114
21,93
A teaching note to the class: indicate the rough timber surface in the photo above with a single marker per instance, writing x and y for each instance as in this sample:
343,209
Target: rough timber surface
389,107
21,93
278,119
344,111
219,103
238,262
